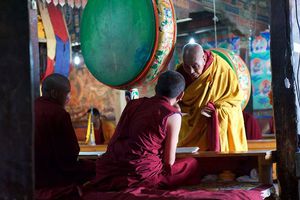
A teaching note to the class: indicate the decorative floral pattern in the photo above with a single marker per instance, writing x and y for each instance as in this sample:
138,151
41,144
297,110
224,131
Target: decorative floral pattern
167,29
78,3
243,75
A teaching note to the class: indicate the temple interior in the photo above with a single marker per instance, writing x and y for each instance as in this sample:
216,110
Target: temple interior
112,54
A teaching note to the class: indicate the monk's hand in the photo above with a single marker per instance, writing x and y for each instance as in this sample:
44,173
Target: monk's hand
206,111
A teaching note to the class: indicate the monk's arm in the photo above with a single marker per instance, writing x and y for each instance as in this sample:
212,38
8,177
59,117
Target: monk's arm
173,128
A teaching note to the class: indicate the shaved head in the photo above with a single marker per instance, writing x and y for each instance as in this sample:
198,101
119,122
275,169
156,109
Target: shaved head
170,84
191,52
57,87
194,60
56,82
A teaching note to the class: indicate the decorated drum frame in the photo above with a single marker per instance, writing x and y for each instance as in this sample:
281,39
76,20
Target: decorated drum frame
163,46
158,63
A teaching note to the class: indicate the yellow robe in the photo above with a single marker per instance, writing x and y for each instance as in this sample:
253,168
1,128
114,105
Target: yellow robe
219,85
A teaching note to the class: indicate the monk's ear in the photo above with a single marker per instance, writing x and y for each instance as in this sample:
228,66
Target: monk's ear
180,96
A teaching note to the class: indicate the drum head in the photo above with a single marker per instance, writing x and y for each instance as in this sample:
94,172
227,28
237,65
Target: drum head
119,39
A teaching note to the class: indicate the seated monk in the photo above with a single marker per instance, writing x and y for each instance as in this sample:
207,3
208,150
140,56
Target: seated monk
97,123
212,103
57,170
143,147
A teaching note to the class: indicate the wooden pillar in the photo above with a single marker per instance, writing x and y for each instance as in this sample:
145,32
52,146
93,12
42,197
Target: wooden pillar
286,110
34,43
16,102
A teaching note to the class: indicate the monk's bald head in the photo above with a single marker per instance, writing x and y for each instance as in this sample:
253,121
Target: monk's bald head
57,87
192,52
194,60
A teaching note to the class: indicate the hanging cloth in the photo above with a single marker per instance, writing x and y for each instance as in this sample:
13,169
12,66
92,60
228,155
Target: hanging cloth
62,2
51,41
62,61
77,3
83,3
63,50
71,3
70,46
55,2
58,23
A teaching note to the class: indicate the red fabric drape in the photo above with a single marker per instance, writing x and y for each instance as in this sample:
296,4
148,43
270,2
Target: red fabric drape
49,69
57,22
213,134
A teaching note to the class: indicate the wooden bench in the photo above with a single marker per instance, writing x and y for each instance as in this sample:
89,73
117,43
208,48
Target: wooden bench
262,157
264,144
89,148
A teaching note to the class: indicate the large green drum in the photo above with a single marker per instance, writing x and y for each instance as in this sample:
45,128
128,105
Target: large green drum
241,70
126,44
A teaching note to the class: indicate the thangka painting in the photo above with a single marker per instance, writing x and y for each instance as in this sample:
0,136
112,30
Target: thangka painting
260,66
232,44
87,92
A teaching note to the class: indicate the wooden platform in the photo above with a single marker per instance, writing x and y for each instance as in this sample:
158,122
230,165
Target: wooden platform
259,150
263,158
264,144
89,148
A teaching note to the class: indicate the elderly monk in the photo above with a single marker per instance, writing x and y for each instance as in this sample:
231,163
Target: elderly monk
57,170
142,150
212,103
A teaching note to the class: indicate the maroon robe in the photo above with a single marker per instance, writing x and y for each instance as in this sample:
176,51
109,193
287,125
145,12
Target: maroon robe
134,156
252,127
57,170
99,137
271,125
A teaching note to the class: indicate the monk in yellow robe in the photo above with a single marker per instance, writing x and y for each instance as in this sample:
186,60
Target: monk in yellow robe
213,118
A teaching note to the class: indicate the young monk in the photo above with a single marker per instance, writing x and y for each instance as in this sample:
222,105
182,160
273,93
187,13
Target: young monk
57,170
142,150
